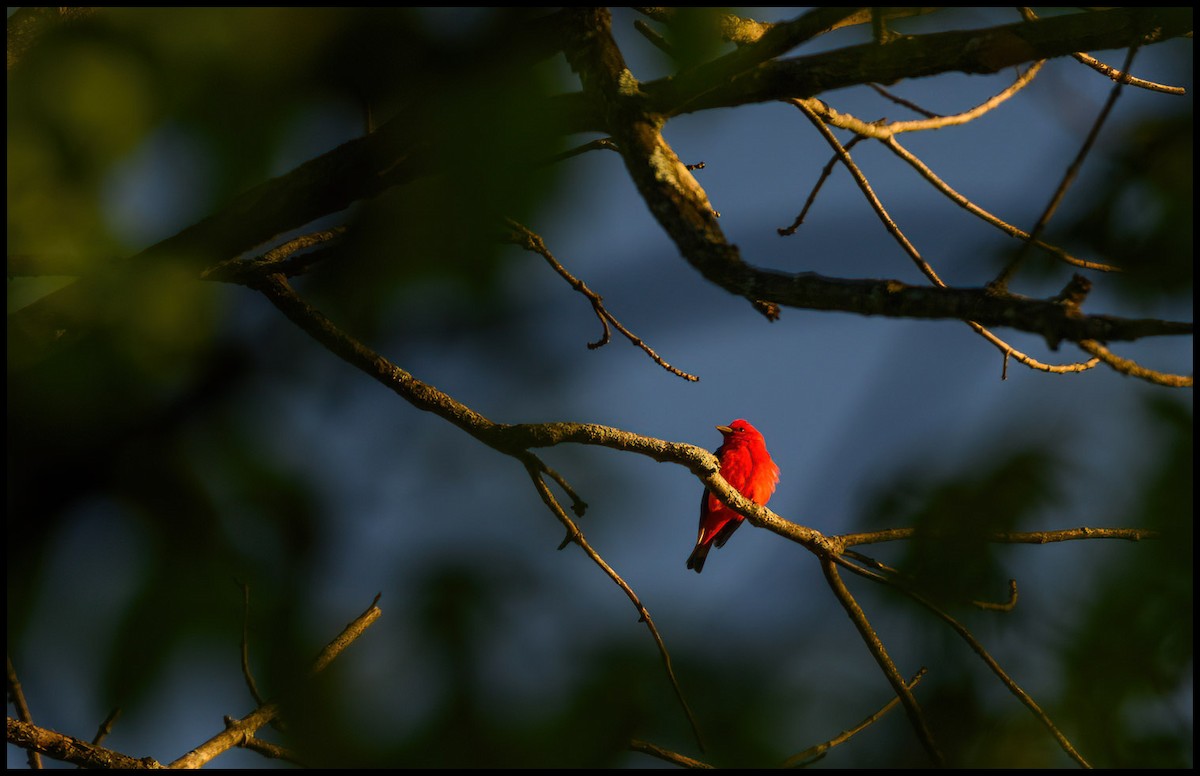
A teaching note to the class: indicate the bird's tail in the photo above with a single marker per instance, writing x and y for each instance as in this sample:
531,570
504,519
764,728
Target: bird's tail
695,561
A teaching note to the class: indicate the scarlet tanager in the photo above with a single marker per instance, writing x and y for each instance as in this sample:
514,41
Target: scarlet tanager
747,466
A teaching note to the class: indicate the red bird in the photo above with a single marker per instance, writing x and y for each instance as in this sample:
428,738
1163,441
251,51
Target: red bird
747,466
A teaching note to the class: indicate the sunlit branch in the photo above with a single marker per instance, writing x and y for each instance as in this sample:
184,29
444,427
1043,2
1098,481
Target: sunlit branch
1132,368
1108,70
1010,352
881,130
72,750
1001,537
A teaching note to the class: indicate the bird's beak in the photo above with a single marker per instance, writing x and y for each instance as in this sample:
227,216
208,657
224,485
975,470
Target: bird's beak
725,429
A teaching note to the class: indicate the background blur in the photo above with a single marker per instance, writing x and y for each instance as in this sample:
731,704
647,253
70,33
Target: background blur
206,441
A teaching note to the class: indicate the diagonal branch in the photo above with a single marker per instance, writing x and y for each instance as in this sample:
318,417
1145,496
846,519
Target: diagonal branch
576,535
879,652
530,241
238,732
816,752
983,654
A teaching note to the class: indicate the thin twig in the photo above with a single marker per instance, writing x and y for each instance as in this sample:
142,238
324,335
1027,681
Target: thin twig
816,752
106,726
246,672
887,95
1027,360
637,745
288,259
1005,606
1068,179
885,129
1002,537
531,241
979,650
954,196
1125,78
271,751
898,577
1132,368
576,536
17,697
826,171
865,186
650,34
601,143
1109,71
238,731
879,652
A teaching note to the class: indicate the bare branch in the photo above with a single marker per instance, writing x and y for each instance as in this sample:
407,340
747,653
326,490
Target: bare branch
916,56
682,208
893,145
826,171
865,186
1112,72
666,755
814,753
879,652
979,650
72,750
576,536
530,241
882,130
251,685
17,697
1068,179
237,732
1131,368
1003,537
289,259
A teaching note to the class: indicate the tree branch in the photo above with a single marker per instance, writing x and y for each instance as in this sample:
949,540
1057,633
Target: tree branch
72,750
916,56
